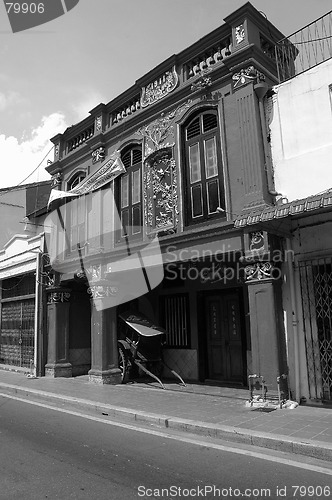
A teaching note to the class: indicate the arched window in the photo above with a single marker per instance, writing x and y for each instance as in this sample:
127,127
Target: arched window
129,194
75,180
203,171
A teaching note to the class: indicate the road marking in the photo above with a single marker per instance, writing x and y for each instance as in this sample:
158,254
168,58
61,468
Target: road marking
184,439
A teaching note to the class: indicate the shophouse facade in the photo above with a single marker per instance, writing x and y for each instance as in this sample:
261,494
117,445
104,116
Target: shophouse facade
173,161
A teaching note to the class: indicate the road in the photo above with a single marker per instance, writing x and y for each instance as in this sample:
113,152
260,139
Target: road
50,454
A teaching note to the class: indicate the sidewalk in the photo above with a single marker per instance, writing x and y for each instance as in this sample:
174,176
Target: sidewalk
198,409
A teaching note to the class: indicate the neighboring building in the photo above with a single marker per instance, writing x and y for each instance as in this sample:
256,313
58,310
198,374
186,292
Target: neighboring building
12,206
189,134
21,260
301,139
300,123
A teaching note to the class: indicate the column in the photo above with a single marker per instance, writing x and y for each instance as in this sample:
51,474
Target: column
104,348
264,324
58,364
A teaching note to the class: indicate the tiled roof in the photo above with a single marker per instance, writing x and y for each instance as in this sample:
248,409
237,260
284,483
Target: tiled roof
296,207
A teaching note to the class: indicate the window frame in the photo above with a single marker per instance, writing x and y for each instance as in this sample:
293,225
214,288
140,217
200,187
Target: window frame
202,187
77,208
127,212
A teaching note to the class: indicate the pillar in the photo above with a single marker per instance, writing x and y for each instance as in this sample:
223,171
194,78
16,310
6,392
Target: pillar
58,364
264,323
104,349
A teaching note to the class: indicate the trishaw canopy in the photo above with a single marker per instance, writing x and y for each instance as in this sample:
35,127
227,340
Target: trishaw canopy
141,324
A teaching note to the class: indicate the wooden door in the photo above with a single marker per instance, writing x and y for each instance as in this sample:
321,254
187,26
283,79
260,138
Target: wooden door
224,341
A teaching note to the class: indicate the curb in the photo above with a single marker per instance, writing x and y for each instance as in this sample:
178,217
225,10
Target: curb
314,449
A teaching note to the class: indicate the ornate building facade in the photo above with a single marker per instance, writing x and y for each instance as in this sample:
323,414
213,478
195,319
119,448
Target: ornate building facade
172,162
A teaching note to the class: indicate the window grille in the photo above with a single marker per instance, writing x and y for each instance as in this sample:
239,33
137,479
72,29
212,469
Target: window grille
17,321
175,309
316,293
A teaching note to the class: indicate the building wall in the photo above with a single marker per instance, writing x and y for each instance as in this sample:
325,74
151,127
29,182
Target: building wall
301,138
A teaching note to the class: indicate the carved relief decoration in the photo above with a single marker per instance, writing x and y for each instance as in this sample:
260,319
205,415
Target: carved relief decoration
98,154
94,272
258,271
159,88
58,297
56,180
256,241
161,201
247,75
102,291
158,133
56,151
148,203
98,123
203,82
240,33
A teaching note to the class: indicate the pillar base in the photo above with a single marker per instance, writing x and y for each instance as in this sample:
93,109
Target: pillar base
58,370
112,376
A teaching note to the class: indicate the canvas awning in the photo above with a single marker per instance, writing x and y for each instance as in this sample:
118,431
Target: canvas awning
108,171
141,324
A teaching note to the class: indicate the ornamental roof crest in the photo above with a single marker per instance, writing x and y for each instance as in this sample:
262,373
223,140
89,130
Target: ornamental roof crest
159,88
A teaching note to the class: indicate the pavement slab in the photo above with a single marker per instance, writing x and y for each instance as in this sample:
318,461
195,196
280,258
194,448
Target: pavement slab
215,411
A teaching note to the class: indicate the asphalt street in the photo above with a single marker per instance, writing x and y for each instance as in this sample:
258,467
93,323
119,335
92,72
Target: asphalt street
53,454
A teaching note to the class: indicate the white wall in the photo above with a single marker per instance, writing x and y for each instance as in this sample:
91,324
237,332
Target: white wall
301,133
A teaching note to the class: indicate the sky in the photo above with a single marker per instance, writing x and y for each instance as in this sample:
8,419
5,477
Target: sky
51,76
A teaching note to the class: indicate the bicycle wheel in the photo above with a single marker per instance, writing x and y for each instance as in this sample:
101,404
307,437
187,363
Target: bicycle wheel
123,364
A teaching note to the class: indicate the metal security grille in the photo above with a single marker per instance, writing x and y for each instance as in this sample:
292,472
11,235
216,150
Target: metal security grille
316,291
176,321
17,322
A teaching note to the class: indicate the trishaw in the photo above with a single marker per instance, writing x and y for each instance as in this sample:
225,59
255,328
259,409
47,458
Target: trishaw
140,344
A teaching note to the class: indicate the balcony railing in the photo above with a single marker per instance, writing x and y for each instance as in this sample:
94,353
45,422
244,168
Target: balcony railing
204,60
80,139
305,48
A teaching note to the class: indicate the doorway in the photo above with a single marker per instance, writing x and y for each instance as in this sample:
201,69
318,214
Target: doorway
224,337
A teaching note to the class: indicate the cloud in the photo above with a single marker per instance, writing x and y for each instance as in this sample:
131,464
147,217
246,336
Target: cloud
19,158
9,99
85,104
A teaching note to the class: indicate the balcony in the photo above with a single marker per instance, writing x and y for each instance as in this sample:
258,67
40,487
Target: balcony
208,58
304,49
80,138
